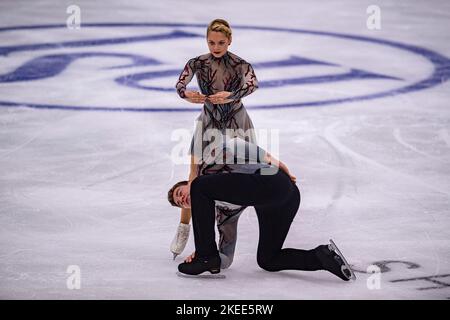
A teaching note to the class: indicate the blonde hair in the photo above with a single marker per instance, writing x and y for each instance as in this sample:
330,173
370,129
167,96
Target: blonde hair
219,25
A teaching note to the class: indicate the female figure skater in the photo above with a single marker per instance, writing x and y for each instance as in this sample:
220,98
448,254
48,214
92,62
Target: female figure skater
224,79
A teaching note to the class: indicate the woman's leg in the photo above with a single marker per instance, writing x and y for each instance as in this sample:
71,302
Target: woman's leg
182,234
227,227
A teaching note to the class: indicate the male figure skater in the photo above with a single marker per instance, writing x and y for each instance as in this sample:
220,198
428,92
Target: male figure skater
274,196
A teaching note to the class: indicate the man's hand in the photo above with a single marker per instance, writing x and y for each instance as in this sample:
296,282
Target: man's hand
194,97
219,97
284,168
293,178
268,158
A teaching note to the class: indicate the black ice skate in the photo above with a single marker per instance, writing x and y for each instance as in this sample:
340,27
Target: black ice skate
333,261
199,266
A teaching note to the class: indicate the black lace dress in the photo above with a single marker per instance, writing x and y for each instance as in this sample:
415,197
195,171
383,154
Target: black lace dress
227,73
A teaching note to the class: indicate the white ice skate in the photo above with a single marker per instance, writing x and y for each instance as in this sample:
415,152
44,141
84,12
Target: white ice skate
181,238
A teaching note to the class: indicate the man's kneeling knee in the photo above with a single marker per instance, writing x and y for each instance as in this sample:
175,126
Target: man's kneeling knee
266,264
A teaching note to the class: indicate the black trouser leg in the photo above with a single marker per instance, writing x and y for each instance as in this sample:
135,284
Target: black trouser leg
276,200
274,223
236,188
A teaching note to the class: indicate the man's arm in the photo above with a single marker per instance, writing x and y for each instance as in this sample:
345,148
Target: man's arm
274,161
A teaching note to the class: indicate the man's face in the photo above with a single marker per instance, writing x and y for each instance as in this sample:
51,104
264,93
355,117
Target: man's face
182,197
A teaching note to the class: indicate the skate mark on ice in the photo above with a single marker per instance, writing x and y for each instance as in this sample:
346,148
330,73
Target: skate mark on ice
384,268
443,134
398,137
44,207
21,146
342,182
7,255
29,141
338,183
363,159
383,265
437,261
174,35
432,279
119,175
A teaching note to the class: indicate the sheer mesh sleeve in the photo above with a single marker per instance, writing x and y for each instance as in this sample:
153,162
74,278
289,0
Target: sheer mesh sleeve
249,83
185,77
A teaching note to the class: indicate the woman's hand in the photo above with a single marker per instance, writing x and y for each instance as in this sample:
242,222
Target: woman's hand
189,258
194,97
219,97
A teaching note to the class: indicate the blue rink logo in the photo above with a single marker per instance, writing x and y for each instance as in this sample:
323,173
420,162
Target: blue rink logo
136,66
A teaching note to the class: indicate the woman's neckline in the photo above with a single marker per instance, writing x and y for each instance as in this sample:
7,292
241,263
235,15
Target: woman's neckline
225,55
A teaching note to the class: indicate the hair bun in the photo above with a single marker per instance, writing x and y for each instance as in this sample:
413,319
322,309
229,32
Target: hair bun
219,25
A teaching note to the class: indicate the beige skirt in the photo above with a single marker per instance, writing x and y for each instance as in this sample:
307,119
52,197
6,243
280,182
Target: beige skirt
231,120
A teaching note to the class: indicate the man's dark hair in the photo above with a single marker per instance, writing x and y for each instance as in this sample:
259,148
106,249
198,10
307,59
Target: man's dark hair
170,193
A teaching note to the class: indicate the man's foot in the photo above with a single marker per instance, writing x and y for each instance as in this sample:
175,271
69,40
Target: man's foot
333,261
198,265
347,269
181,238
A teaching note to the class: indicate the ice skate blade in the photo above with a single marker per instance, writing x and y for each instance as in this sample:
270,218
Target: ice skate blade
201,276
347,266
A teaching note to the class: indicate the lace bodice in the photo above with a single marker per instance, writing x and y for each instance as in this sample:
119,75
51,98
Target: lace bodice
227,73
